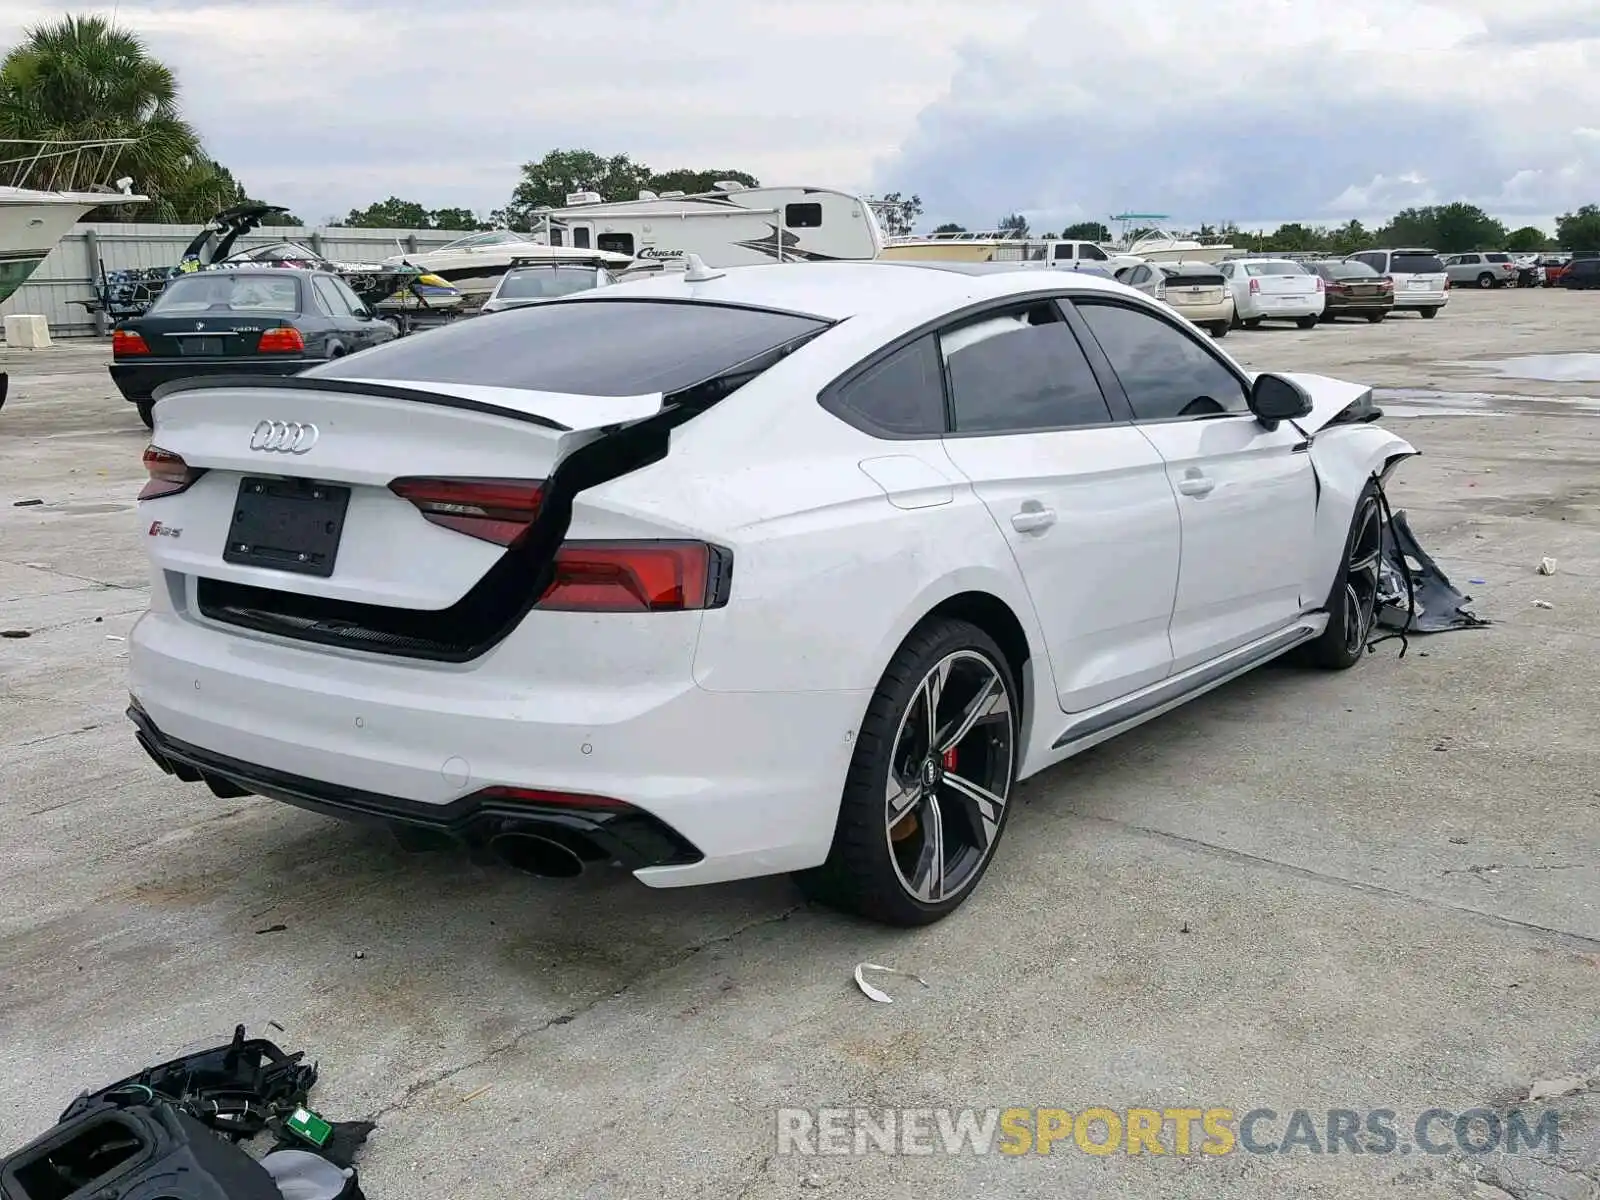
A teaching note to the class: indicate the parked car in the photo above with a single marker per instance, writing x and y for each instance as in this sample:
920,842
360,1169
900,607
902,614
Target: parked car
536,284
1274,289
1582,273
1481,270
729,573
1529,272
1554,266
1197,290
1421,282
1353,290
261,320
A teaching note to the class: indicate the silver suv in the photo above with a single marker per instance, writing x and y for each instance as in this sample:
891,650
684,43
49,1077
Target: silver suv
1482,270
1420,280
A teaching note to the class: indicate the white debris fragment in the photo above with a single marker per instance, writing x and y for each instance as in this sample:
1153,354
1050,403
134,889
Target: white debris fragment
1547,566
1549,1089
877,994
1543,604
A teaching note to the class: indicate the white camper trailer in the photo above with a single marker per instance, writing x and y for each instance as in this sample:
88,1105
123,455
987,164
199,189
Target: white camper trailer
731,226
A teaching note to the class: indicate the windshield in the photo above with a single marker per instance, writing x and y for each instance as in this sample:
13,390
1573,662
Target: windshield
595,347
207,291
495,237
1273,268
544,282
1416,264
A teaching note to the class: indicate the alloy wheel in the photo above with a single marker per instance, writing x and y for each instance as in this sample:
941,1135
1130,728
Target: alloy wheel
950,773
1362,573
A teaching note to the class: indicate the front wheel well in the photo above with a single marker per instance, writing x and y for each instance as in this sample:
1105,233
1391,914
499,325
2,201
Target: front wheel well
994,616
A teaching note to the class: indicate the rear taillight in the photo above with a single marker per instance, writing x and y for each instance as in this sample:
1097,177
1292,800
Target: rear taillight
519,795
1161,291
285,339
1255,287
1321,286
125,342
495,510
1386,284
169,474
637,577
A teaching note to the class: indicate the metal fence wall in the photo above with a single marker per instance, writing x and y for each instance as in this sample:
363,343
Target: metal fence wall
69,273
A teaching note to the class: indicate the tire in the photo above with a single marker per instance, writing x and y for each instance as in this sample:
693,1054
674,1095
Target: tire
1430,312
1486,280
146,412
877,865
1353,600
1308,322
1328,318
1252,323
1219,329
1376,317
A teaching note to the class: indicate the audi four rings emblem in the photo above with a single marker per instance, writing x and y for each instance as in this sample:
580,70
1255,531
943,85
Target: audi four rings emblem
284,437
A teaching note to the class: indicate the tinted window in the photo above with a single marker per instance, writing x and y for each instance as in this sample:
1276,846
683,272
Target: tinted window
1165,372
802,216
1347,270
1093,252
1465,260
1416,264
615,243
557,236
356,303
1497,258
213,289
1020,371
1273,268
902,394
580,238
583,347
1195,279
331,297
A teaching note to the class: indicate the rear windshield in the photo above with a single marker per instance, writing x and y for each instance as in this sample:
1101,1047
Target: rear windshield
206,291
583,347
1283,268
1416,264
1347,270
1195,279
544,282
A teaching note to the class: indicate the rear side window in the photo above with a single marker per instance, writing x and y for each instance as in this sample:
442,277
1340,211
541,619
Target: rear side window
901,395
583,347
1093,252
1416,264
1020,371
1497,258
1165,372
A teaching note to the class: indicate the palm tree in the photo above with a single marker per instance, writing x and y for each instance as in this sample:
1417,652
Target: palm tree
81,79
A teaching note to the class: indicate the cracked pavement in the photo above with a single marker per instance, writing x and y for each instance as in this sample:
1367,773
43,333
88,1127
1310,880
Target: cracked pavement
1379,889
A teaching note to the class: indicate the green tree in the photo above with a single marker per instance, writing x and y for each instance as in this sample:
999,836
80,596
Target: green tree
1349,238
548,182
1527,240
681,179
896,213
81,79
1579,230
393,213
950,227
1014,222
1086,231
1447,228
455,218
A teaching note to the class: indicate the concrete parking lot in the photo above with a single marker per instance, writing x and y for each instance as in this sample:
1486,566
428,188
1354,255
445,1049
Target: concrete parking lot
1372,890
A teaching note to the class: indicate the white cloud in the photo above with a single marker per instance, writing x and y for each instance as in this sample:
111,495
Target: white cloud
1213,110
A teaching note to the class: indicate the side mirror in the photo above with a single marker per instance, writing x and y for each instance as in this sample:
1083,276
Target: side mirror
1274,398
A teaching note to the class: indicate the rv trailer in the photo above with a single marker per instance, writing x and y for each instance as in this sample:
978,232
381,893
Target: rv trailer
730,226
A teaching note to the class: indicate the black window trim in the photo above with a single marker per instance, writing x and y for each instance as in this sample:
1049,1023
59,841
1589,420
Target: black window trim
1109,379
829,396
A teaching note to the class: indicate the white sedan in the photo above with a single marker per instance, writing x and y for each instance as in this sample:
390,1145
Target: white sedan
1275,289
722,574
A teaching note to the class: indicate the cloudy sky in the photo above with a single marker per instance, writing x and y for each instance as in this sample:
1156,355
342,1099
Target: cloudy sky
1255,111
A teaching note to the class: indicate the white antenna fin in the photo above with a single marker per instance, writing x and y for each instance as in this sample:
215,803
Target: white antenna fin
696,270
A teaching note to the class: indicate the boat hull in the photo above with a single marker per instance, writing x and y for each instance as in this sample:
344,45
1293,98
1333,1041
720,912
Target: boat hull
29,230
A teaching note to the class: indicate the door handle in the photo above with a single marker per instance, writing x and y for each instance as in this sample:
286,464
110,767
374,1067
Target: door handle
1033,517
1196,485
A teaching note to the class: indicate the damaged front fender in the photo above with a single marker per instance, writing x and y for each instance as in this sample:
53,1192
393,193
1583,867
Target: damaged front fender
1345,456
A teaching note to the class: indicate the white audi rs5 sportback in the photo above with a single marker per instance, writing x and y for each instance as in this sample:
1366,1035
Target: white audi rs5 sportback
776,569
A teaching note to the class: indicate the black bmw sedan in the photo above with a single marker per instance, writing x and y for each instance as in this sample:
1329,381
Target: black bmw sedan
267,320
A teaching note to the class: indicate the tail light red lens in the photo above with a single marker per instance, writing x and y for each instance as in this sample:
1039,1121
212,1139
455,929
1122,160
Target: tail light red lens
169,474
285,339
125,342
1321,287
636,577
1255,287
519,795
495,510
1386,284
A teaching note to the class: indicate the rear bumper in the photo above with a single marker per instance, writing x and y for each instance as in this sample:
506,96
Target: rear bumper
1206,314
1358,305
750,782
139,380
1406,298
1284,310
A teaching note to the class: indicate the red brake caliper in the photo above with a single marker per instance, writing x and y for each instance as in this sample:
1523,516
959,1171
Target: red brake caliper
950,759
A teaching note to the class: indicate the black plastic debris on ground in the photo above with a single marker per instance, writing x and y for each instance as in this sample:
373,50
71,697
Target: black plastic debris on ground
1431,604
174,1131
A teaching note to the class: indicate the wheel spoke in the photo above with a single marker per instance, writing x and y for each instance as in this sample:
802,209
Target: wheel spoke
902,796
990,701
932,693
987,805
927,881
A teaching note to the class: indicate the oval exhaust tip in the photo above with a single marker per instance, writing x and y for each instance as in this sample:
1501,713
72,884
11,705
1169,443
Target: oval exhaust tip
535,855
